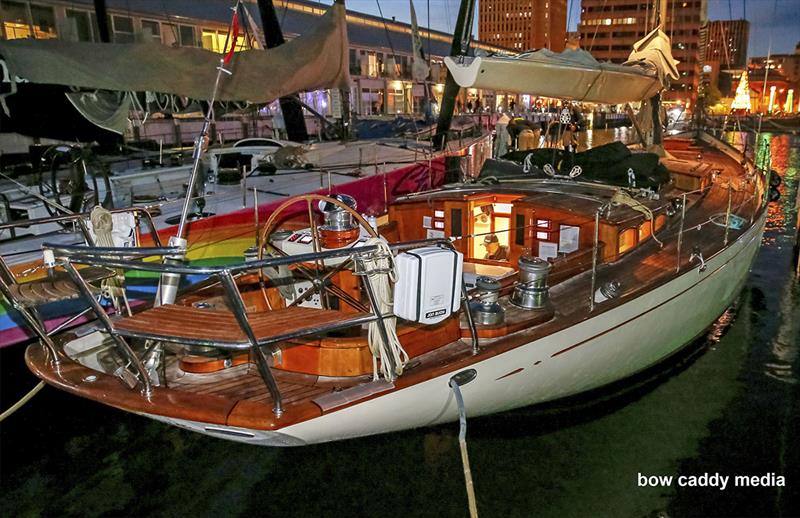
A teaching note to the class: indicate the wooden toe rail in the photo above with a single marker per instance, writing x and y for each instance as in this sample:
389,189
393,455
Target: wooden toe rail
186,324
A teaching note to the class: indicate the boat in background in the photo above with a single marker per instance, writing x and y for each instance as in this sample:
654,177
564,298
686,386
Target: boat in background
573,74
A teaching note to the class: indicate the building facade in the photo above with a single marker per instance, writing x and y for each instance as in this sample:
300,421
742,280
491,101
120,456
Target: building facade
727,43
521,25
782,73
609,28
786,64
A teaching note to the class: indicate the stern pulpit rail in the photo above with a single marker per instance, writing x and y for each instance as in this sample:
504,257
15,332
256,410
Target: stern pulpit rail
236,329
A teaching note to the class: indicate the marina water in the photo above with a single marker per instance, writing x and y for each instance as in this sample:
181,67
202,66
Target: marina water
727,407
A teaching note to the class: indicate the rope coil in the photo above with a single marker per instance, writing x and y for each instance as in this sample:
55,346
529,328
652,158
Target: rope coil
380,271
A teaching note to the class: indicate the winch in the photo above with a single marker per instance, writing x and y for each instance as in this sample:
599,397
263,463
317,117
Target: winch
485,308
532,292
339,228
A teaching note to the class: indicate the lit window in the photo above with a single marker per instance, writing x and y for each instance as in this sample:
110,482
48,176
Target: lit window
645,229
17,25
627,240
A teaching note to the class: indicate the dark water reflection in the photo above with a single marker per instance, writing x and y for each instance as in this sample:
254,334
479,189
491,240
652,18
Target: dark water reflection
729,405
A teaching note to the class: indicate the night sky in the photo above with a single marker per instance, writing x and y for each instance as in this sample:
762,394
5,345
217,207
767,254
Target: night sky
775,19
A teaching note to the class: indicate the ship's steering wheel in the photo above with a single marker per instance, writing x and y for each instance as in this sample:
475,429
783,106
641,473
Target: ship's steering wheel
320,279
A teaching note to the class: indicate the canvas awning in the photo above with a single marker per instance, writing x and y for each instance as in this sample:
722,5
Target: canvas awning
317,59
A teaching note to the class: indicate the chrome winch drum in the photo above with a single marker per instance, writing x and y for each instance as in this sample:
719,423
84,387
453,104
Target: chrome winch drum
337,219
532,292
485,308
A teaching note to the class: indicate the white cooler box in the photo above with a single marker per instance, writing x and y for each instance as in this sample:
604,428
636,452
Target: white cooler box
428,288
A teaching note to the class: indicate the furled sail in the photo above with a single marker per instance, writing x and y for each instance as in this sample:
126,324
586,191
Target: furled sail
317,59
572,74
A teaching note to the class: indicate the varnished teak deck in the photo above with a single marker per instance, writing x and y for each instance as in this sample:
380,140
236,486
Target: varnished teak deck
221,326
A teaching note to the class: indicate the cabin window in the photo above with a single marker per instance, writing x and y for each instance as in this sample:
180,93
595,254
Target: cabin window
80,25
627,240
519,235
491,225
123,29
645,229
661,220
455,223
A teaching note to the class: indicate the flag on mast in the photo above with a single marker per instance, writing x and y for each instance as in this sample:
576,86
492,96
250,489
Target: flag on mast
234,37
419,67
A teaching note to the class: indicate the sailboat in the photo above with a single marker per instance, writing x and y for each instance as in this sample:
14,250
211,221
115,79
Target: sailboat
314,342
473,298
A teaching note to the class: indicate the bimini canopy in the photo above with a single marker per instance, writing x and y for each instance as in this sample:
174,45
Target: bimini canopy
317,59
572,74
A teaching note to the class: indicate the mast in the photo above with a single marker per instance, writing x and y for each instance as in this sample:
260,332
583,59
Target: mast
460,46
290,105
655,101
102,20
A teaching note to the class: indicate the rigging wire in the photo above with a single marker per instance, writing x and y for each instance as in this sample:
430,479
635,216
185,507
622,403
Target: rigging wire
596,27
766,67
429,29
569,13
386,30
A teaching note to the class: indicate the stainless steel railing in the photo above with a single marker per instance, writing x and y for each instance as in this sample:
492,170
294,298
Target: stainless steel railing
70,255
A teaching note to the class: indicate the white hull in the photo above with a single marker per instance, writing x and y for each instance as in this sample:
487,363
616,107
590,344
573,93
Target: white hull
601,84
609,347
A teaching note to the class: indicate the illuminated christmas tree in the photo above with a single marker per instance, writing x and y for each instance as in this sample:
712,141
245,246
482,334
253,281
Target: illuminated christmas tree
742,99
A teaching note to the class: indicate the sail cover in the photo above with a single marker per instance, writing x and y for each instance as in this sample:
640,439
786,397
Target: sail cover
317,59
573,74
